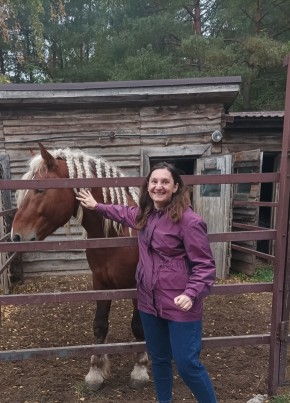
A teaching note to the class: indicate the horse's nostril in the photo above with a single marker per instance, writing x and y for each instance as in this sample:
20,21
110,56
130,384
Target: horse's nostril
16,238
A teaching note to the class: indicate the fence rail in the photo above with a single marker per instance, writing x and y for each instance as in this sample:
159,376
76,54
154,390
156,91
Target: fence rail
245,233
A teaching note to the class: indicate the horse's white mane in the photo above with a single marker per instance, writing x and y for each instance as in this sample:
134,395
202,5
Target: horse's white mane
82,165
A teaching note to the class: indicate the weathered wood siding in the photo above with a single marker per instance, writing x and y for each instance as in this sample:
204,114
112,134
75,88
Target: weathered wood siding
117,134
250,131
246,162
252,140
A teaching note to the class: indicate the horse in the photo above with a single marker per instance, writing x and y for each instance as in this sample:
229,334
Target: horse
40,212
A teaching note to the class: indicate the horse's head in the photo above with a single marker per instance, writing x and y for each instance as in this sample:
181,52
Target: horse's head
41,211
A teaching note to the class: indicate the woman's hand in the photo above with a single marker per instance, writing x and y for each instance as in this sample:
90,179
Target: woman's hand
86,199
183,302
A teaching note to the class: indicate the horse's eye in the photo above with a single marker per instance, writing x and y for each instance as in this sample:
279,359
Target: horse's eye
39,191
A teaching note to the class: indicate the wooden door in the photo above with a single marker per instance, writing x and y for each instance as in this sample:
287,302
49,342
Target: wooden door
213,203
246,162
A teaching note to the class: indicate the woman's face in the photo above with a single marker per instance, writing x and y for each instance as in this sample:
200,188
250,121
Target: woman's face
161,186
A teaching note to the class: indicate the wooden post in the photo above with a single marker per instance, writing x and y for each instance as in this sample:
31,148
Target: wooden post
282,248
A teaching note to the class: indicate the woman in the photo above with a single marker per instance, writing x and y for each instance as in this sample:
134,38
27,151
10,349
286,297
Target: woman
175,272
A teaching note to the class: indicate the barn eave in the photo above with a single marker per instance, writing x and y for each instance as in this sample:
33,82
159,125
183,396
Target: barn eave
212,90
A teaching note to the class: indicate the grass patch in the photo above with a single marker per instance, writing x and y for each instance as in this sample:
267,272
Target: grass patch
280,399
83,391
264,274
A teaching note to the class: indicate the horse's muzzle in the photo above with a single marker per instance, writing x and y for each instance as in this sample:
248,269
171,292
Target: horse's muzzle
16,238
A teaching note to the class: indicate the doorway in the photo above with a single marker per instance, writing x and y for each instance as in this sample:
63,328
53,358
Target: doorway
266,214
184,165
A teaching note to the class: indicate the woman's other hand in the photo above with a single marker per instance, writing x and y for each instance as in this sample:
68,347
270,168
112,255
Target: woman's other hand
183,302
86,199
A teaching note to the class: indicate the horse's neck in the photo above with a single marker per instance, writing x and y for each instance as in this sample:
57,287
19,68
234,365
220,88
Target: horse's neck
98,227
93,224
90,221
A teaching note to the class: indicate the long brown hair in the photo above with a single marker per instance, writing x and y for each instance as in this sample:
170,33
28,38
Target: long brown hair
179,201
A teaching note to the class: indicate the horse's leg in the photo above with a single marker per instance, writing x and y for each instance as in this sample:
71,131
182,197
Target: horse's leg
139,376
100,366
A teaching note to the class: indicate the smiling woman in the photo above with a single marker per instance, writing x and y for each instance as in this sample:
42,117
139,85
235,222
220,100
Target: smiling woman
175,273
161,187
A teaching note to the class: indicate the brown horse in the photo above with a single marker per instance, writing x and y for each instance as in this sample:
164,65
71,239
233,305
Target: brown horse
41,211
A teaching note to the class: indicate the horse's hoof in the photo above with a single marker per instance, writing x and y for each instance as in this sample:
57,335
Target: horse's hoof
139,377
94,379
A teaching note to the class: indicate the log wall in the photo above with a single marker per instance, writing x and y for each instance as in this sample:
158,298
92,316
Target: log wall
121,135
117,134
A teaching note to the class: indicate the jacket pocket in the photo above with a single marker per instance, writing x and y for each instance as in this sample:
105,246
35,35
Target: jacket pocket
173,276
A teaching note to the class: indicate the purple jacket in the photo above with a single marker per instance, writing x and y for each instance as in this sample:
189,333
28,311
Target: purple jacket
174,259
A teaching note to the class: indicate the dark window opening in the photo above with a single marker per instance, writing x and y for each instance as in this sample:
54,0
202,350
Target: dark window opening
185,165
243,187
211,190
265,213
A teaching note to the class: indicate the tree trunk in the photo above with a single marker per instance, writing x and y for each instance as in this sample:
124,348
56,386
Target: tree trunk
197,19
258,17
2,66
246,94
195,16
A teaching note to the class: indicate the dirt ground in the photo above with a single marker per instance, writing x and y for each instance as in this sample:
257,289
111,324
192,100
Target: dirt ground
237,373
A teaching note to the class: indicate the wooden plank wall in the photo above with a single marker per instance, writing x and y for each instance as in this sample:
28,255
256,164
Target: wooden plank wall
117,134
267,141
2,140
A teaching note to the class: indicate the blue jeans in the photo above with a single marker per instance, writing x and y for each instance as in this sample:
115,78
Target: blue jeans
180,341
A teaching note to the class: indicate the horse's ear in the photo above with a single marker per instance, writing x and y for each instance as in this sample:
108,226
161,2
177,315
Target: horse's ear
49,160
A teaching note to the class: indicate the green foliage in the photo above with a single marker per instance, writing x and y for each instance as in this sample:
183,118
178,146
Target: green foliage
280,399
263,274
269,89
90,40
146,64
208,56
263,52
81,72
4,80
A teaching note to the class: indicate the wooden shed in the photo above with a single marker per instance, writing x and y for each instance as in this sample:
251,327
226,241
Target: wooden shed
134,124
